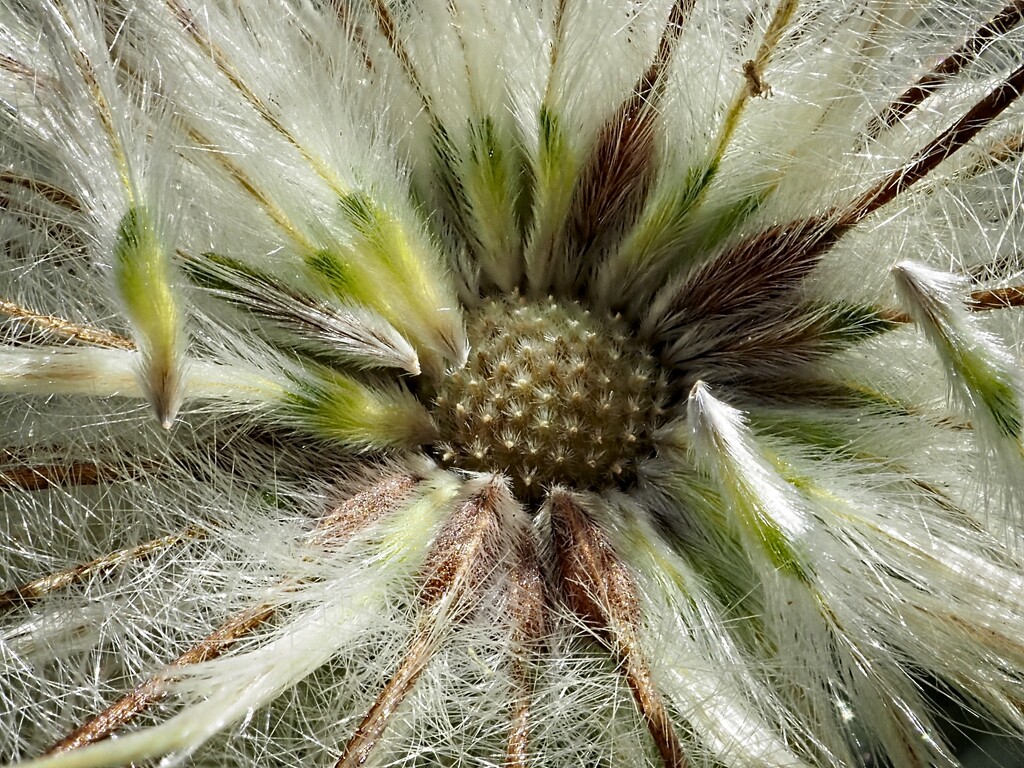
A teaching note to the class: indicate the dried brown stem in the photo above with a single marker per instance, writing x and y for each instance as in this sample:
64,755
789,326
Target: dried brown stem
16,67
1009,17
1001,149
353,30
48,192
599,589
388,28
980,301
653,78
777,260
42,476
144,695
941,147
29,592
376,721
527,608
352,516
190,26
94,336
237,173
459,561
997,298
997,151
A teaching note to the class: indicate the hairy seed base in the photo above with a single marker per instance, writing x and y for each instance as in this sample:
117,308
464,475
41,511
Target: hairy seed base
551,394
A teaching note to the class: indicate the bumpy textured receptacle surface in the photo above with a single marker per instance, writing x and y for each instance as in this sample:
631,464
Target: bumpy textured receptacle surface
551,393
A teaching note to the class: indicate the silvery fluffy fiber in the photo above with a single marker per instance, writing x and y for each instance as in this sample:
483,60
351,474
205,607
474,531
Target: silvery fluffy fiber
242,244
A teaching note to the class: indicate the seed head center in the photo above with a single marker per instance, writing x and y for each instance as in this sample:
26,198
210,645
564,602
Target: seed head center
550,394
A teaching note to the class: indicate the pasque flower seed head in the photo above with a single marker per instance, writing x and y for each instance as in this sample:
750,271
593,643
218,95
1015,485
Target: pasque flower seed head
510,382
